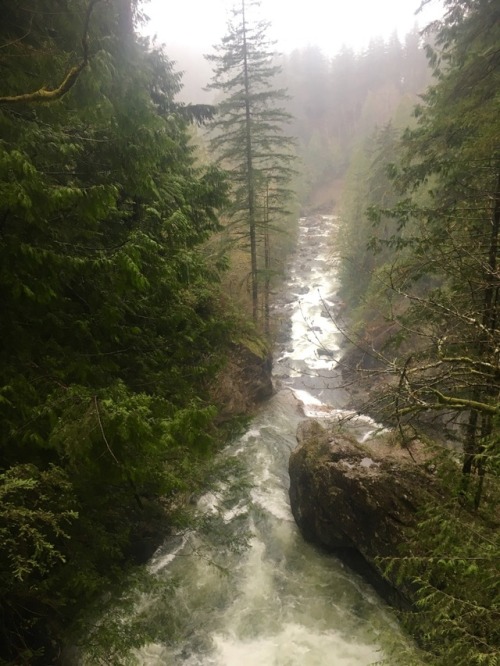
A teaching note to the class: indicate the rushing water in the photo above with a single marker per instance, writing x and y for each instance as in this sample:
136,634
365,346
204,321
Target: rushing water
279,601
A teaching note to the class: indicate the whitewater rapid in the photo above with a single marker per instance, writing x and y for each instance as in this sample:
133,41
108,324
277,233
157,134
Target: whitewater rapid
244,589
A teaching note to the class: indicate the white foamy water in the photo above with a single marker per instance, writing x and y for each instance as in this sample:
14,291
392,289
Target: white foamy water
278,601
294,645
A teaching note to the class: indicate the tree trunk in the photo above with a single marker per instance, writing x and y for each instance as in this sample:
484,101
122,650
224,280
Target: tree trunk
473,444
252,224
267,266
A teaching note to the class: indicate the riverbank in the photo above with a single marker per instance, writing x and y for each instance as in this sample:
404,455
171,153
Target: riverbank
240,584
416,529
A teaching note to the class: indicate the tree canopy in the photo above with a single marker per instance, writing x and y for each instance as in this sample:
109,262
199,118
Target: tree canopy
428,321
112,322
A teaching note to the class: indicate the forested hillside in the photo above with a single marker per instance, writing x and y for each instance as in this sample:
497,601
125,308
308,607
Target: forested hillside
113,323
419,234
125,233
337,102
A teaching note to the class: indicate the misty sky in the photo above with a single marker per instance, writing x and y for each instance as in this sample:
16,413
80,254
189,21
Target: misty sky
328,24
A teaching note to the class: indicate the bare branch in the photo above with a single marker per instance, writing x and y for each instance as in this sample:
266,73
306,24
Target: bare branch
102,431
450,402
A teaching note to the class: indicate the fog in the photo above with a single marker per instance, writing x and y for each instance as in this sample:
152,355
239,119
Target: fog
191,28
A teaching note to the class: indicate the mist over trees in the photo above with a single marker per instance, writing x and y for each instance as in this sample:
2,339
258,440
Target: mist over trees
420,227
334,101
337,102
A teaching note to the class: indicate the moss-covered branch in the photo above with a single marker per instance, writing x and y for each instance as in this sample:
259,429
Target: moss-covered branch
45,94
449,402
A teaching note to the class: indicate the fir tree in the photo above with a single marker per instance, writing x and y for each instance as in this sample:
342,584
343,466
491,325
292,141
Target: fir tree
249,138
438,275
111,325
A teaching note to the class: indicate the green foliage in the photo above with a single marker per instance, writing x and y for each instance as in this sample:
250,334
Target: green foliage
112,322
439,243
248,140
453,568
438,274
367,184
31,521
37,510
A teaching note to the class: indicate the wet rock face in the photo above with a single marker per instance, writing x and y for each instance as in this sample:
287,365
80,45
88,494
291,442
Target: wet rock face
355,500
256,374
245,381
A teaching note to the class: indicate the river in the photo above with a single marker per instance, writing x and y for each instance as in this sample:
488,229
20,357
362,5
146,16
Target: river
245,589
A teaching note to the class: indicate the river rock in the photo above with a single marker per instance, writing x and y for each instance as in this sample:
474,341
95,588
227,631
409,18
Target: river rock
357,500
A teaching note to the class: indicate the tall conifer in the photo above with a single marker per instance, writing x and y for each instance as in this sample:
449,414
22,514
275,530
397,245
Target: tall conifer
249,138
440,284
110,320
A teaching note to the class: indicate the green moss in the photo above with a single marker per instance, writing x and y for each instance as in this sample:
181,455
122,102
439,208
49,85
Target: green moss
255,344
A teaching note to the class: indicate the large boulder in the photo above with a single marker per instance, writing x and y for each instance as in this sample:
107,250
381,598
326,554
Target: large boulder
357,500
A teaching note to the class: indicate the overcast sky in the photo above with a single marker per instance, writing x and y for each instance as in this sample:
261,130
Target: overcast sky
328,24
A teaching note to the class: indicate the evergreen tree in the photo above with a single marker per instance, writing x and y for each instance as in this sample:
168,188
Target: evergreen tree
449,226
249,139
111,323
367,184
440,280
